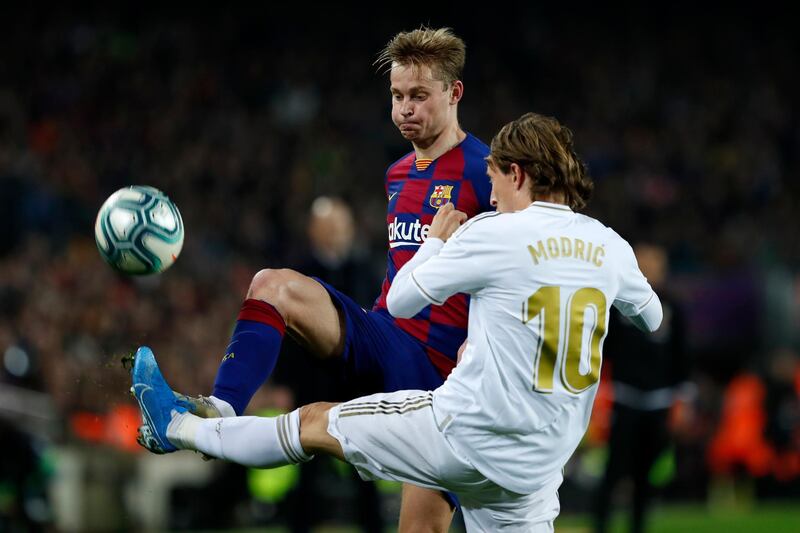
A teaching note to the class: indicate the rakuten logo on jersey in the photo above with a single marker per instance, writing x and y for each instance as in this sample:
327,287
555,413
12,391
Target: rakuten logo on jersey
407,232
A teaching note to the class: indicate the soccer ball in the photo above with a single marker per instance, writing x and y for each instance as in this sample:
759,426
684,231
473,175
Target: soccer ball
139,231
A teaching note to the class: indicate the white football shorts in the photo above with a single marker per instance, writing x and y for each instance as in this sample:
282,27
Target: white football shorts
395,436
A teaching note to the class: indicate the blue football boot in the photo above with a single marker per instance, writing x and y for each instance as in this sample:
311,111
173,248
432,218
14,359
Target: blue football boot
156,400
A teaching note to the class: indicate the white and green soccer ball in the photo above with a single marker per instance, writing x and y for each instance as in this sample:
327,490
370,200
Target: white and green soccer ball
139,231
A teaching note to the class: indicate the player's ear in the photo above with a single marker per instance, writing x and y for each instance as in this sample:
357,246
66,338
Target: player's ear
519,176
456,92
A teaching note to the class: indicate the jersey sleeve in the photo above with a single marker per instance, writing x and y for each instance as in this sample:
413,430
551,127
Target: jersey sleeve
462,265
636,299
483,191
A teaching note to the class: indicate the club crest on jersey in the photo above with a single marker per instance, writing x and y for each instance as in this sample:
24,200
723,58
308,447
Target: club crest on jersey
441,195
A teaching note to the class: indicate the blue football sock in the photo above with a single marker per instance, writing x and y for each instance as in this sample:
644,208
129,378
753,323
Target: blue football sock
251,354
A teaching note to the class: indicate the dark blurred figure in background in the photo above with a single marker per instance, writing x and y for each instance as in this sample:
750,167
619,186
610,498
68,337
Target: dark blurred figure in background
647,371
332,255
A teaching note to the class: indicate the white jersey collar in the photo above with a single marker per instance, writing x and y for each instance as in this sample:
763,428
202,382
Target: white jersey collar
549,206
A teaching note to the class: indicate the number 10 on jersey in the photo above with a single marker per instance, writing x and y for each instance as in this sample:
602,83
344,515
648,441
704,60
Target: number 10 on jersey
584,304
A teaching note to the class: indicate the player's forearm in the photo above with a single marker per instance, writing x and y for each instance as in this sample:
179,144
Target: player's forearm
405,298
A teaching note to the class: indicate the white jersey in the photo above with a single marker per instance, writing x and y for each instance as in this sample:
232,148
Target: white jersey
542,281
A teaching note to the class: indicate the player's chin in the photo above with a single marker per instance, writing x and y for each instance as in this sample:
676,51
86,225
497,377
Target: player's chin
409,135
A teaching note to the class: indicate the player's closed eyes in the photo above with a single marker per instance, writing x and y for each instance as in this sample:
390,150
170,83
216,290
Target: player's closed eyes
418,97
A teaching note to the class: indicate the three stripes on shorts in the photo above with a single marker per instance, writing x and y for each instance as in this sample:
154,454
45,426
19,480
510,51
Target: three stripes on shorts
384,407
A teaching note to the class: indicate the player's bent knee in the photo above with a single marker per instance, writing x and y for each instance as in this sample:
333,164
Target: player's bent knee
276,287
268,282
314,436
314,416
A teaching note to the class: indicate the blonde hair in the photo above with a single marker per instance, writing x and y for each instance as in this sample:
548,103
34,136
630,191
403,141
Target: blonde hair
440,49
543,148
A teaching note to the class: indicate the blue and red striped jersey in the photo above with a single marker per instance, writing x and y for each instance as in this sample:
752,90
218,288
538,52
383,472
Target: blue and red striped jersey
416,188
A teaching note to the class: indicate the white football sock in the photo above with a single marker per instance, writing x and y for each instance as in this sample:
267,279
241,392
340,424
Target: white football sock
248,440
225,409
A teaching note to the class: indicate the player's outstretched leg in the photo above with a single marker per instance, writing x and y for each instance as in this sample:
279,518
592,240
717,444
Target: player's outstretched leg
169,425
157,402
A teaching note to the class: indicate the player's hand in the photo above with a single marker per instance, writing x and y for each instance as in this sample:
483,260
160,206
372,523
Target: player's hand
446,222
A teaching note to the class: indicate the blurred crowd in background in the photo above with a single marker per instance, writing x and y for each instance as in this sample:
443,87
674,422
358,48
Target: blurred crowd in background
690,126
